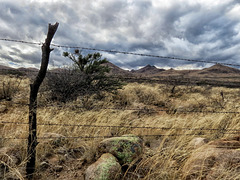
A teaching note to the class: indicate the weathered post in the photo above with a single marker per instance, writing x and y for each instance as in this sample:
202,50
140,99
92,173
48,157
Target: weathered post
32,138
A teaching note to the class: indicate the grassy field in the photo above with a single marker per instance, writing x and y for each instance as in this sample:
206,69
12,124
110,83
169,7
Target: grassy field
177,116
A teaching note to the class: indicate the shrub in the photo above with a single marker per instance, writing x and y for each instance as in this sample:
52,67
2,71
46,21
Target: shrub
86,77
9,87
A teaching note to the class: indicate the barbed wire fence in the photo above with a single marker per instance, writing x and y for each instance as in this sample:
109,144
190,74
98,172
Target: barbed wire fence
203,130
198,131
122,52
147,110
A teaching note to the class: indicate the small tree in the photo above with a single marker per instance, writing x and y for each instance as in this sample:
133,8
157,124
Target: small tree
89,64
87,76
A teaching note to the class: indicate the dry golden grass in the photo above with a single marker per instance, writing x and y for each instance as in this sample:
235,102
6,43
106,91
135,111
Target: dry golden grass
163,157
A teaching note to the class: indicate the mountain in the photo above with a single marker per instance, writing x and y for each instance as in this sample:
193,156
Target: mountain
219,69
28,69
148,70
175,73
22,69
115,70
5,67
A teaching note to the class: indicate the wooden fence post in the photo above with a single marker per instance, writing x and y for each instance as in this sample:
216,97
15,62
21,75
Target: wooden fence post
32,138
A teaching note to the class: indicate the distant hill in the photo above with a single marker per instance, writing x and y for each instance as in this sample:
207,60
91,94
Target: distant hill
219,69
148,70
17,71
28,69
117,70
175,73
5,67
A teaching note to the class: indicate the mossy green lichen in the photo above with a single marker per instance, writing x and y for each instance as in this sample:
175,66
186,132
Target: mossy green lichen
109,165
105,168
125,148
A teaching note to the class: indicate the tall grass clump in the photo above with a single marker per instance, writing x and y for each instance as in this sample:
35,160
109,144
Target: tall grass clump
9,87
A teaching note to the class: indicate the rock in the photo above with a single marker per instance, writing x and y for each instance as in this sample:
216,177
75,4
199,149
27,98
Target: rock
213,160
125,148
105,168
197,142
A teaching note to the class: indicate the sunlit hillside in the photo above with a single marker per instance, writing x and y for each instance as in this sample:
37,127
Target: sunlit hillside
166,117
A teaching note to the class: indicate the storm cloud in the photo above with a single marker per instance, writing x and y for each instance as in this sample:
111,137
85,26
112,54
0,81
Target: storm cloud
201,29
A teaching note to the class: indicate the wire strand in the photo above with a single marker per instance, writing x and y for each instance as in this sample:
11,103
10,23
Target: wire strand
145,55
118,126
170,111
123,52
103,137
21,41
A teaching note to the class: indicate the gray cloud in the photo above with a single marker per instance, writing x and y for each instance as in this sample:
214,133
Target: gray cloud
192,29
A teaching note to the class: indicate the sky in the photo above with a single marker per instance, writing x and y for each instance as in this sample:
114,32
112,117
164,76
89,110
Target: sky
200,30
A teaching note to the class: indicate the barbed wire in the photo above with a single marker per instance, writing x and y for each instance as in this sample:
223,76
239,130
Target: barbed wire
13,138
11,122
147,110
137,127
127,127
164,110
21,41
87,138
123,52
112,136
144,55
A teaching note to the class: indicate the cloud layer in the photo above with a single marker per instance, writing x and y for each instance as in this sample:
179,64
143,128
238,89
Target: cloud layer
201,29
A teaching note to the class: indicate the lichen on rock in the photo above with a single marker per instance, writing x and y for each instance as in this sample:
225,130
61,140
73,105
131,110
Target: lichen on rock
105,168
125,148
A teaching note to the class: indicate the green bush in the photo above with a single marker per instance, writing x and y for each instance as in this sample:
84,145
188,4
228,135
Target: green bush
87,76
